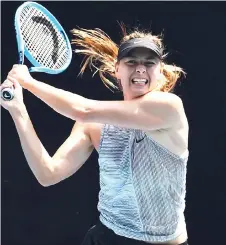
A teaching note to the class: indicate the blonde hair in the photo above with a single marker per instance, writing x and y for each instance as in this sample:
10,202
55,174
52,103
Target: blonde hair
101,54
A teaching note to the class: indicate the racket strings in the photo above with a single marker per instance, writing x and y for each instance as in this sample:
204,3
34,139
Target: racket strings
42,39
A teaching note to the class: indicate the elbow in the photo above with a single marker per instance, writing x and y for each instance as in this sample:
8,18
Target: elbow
47,183
44,184
82,114
48,178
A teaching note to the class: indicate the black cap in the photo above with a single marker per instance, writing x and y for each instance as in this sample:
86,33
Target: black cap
127,46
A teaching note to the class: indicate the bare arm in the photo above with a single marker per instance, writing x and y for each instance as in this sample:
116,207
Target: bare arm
66,161
153,111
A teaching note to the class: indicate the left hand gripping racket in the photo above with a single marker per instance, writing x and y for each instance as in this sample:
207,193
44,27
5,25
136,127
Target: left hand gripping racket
42,39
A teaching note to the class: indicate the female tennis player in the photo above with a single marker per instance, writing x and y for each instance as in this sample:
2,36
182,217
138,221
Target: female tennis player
142,141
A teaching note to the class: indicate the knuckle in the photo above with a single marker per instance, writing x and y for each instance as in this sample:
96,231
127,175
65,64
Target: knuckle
7,83
6,86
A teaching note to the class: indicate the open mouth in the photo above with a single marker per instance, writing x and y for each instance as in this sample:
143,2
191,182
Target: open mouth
139,81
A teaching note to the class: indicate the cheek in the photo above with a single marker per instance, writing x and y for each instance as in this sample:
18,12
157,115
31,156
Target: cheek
125,73
154,73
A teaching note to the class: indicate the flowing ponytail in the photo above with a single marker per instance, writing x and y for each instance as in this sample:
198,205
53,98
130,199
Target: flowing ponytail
101,54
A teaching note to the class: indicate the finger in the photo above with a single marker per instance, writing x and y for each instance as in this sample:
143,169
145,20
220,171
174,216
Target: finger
15,82
7,84
11,73
16,65
11,79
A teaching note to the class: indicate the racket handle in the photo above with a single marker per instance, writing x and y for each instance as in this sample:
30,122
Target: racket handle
7,94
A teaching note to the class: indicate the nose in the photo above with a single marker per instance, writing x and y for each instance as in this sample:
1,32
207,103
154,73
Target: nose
140,69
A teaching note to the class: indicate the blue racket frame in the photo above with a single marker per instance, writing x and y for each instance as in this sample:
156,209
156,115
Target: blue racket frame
22,49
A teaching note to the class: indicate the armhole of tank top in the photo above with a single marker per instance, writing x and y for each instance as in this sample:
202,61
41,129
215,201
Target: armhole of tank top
183,156
104,128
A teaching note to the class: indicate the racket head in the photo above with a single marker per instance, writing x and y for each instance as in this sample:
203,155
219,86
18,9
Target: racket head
42,39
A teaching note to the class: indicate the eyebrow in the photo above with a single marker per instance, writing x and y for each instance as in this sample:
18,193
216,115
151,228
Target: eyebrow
147,58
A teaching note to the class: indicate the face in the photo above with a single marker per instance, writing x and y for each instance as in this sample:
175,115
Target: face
139,72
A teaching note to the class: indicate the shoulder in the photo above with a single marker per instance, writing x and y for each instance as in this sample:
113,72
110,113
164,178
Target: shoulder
92,130
164,98
174,138
169,105
164,103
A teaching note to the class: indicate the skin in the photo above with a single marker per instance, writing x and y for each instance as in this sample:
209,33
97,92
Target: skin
152,110
141,63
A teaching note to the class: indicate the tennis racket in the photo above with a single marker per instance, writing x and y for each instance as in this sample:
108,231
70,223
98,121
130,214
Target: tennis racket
42,40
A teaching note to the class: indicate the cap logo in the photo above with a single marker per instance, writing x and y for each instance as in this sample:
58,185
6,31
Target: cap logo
138,41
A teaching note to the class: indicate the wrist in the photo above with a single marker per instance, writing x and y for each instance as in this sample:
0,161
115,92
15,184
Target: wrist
28,83
18,111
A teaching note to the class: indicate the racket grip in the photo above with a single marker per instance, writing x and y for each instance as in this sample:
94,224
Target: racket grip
7,94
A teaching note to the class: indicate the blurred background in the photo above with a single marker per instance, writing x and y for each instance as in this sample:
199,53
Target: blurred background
195,37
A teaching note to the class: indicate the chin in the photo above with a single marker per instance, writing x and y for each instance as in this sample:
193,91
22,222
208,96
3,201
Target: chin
140,93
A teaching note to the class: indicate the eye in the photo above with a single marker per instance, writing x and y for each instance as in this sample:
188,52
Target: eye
149,63
131,62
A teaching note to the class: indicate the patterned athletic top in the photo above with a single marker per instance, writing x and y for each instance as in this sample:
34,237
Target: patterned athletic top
142,186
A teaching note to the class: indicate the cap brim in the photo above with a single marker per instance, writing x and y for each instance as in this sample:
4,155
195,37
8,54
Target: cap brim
124,51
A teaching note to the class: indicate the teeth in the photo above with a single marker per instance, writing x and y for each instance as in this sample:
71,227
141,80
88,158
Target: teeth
139,80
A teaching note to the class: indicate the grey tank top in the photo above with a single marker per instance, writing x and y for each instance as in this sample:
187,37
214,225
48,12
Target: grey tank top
142,186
